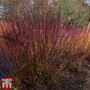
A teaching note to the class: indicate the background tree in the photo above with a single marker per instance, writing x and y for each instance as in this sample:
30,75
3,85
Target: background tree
74,12
70,12
17,8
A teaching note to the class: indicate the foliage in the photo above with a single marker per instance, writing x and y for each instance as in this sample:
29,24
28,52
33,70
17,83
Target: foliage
70,12
36,49
74,12
40,52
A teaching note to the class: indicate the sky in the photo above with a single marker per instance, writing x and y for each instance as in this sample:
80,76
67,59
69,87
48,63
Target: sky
88,1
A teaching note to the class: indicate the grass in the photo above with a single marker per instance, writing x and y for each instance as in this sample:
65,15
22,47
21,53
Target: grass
40,52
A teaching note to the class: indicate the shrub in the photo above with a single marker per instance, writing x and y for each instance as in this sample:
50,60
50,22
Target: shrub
41,52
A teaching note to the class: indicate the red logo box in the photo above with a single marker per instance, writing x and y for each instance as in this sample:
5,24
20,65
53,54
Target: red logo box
6,83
